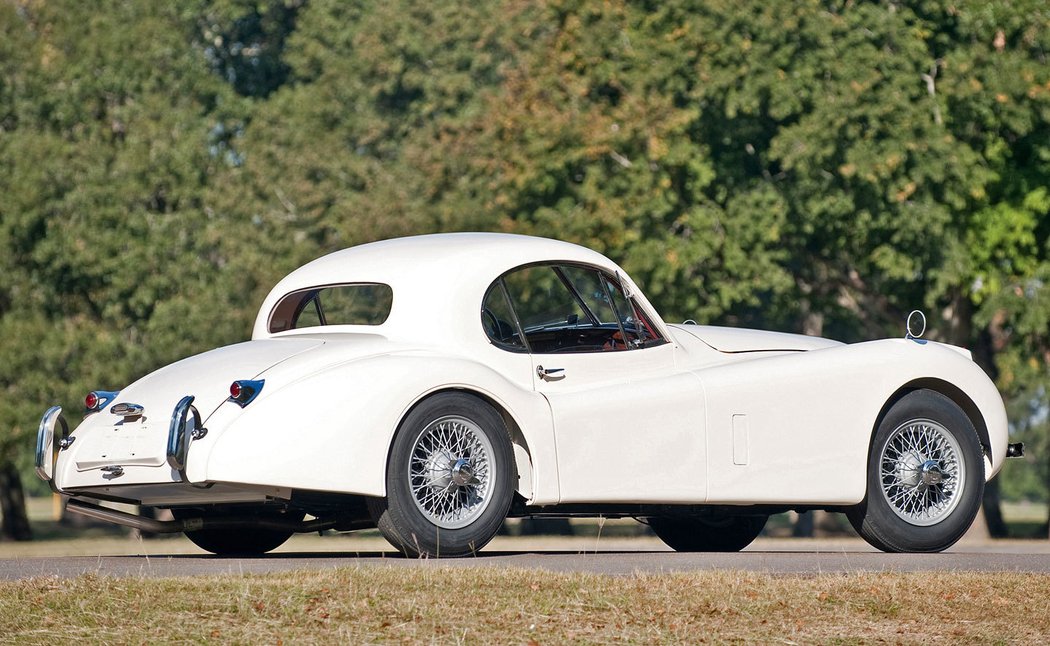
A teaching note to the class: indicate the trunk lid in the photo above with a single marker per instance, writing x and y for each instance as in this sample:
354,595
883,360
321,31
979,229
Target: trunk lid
106,438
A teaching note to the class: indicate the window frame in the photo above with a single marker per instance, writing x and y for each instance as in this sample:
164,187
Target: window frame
312,297
608,281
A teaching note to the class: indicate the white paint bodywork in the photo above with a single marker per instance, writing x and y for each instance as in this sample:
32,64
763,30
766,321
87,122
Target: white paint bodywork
716,415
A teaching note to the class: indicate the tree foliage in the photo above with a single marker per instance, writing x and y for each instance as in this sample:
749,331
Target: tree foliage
805,166
109,250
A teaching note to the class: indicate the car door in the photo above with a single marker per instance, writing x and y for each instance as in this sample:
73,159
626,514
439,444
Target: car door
629,427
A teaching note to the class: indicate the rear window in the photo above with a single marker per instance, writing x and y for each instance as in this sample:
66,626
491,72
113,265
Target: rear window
352,304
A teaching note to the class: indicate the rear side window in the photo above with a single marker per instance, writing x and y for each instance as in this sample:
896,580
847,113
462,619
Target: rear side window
352,304
499,321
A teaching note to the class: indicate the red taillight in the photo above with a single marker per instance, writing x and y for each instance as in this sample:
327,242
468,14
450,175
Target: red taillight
243,391
92,401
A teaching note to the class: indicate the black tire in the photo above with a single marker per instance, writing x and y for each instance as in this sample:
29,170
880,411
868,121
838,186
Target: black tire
240,541
434,508
708,533
927,458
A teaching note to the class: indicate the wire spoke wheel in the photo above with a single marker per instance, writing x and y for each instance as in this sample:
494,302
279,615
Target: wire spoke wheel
921,472
450,472
925,476
450,478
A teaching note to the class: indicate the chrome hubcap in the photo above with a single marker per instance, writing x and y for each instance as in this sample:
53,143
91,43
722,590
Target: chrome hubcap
463,473
450,472
921,472
930,473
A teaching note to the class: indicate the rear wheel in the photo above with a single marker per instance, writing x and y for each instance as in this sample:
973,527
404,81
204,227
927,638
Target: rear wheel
716,533
246,540
450,478
925,477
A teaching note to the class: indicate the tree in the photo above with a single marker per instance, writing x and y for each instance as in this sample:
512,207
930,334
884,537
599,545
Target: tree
593,136
108,251
815,168
800,166
325,159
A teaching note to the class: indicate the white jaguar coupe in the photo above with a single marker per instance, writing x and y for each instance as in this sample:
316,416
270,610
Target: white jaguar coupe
432,386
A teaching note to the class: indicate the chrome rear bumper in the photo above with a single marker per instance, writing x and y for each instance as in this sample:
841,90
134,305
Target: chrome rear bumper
52,437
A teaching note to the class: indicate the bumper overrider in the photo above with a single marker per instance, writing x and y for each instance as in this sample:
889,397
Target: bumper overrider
52,437
48,445
185,427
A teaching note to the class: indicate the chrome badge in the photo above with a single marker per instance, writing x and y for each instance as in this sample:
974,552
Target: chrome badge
127,410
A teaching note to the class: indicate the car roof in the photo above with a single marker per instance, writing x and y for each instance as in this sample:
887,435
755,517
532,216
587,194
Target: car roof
436,278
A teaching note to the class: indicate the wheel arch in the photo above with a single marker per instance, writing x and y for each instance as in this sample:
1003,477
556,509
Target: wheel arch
956,395
523,464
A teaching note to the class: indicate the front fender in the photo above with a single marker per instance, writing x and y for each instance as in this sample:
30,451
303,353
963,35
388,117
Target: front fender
332,430
804,421
950,370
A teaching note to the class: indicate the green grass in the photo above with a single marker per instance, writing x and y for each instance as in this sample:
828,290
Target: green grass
484,605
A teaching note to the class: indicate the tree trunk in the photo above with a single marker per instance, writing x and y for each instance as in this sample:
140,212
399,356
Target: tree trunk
993,513
546,527
812,325
15,525
803,526
986,344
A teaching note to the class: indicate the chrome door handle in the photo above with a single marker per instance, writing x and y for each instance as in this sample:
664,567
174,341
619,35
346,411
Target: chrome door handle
550,374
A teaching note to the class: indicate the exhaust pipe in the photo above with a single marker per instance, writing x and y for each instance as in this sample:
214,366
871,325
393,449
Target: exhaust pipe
140,523
155,526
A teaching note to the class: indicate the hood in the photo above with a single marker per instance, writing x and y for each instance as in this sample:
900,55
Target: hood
725,339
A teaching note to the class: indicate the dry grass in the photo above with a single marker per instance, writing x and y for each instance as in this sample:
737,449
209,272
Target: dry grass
482,605
117,544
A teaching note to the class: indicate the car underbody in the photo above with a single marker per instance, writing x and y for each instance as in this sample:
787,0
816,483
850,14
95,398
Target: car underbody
312,511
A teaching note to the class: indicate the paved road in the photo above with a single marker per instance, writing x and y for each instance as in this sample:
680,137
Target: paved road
784,557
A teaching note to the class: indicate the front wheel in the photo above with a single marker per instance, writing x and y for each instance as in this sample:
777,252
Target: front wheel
450,478
728,533
925,477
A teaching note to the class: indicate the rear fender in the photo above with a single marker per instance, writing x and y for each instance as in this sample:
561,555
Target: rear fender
332,430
